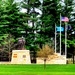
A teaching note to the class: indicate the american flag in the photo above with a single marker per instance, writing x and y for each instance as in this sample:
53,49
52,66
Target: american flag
64,19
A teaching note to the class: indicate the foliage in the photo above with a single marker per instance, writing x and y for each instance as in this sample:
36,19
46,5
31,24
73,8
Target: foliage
31,19
44,52
69,4
37,28
10,20
7,45
50,16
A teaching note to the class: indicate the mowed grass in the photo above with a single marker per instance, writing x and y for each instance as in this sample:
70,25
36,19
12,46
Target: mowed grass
34,69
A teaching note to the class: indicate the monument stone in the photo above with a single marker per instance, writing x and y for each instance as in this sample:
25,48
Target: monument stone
20,57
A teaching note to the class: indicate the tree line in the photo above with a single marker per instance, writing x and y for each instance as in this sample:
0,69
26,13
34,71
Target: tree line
37,29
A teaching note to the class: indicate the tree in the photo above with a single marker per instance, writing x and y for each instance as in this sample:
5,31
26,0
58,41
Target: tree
11,20
49,17
44,52
68,11
7,45
31,20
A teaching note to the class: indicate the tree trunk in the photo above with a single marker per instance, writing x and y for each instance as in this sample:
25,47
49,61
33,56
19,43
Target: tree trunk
73,57
44,63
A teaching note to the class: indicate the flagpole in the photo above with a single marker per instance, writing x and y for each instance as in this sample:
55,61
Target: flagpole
65,40
55,39
65,19
60,33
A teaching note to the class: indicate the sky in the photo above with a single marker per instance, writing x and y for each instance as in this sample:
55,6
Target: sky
24,10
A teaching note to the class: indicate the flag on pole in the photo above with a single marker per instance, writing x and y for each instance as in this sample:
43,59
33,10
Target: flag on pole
58,28
69,27
64,19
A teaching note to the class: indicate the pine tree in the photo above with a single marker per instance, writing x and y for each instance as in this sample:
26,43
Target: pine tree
68,11
49,18
10,22
31,6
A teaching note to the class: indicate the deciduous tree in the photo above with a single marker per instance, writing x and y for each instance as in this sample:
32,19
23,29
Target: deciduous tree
44,52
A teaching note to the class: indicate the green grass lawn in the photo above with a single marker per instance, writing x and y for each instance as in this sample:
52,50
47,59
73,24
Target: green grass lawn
34,69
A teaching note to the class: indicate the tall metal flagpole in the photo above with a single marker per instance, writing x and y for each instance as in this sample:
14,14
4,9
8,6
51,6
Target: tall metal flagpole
55,38
60,33
65,40
65,19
